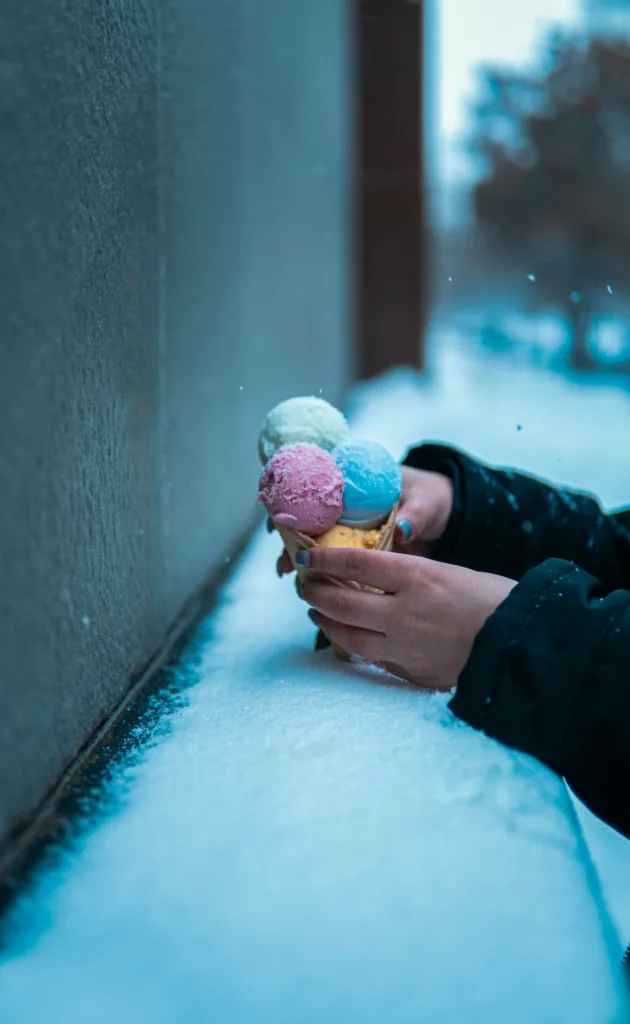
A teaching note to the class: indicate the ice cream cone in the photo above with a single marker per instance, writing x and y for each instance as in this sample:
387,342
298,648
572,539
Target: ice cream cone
295,541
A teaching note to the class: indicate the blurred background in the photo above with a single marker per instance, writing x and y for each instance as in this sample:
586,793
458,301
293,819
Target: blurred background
208,207
530,188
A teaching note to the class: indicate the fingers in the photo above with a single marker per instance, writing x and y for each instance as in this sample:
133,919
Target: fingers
395,670
379,569
408,538
412,514
362,642
414,547
412,519
404,532
348,606
284,564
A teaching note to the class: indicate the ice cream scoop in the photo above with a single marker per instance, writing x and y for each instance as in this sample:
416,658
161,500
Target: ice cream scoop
307,420
302,487
372,483
349,537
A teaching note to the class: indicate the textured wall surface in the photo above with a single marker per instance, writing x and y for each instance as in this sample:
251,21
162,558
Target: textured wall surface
174,253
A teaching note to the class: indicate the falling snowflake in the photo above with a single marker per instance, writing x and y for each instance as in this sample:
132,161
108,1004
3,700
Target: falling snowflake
531,277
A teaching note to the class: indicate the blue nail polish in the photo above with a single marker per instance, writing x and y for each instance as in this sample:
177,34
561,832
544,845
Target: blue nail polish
405,528
313,616
302,558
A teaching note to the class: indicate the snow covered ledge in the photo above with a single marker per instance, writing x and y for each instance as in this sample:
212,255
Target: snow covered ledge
308,843
311,843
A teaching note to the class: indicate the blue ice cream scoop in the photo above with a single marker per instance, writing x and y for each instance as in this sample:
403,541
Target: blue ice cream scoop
372,482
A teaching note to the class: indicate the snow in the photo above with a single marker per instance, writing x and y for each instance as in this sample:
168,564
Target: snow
309,842
570,431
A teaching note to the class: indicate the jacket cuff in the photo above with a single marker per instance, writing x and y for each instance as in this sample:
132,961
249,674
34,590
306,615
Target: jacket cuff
479,503
527,663
504,522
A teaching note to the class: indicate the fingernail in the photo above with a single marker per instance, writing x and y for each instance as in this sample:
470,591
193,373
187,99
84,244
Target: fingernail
279,567
313,616
299,588
303,558
270,526
405,529
321,641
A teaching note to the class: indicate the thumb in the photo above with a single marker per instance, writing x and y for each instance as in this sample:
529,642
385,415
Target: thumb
411,521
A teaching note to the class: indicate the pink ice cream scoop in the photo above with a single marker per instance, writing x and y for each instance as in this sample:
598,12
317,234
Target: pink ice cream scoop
302,487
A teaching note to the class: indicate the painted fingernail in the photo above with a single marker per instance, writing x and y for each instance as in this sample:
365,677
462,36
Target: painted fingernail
299,588
279,567
405,529
302,558
313,616
321,641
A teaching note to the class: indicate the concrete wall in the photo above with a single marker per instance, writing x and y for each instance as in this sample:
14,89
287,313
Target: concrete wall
175,258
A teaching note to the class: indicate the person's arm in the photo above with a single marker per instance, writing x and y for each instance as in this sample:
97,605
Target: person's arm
549,674
542,665
506,523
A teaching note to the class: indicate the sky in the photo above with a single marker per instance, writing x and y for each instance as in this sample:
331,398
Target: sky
465,34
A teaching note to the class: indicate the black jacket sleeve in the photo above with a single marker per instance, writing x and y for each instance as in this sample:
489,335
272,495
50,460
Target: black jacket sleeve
549,673
506,523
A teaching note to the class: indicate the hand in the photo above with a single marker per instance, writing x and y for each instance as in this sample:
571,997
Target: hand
424,625
425,507
284,565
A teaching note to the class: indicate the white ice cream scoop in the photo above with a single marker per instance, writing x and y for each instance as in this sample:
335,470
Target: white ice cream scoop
306,420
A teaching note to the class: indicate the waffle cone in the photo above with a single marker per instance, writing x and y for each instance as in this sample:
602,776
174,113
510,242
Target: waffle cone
295,541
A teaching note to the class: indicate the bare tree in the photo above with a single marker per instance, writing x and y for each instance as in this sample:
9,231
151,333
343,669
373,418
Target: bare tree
556,199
